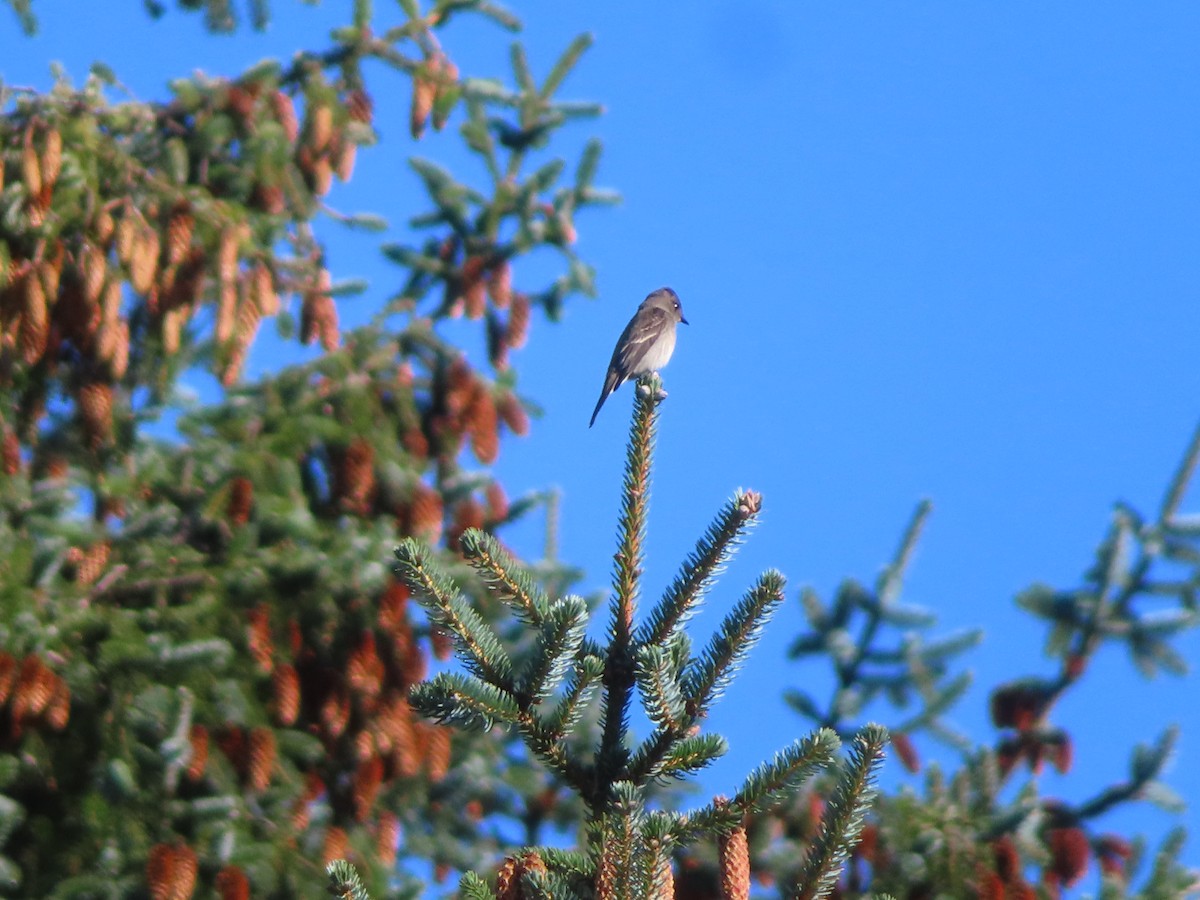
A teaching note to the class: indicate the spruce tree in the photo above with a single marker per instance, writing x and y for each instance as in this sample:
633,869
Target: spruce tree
983,826
542,687
213,684
204,659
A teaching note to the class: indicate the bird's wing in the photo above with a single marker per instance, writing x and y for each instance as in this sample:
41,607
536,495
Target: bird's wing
638,337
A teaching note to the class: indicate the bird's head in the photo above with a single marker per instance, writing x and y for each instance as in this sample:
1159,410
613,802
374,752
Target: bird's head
668,301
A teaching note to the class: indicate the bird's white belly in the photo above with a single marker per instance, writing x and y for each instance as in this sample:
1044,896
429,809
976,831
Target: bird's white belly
657,355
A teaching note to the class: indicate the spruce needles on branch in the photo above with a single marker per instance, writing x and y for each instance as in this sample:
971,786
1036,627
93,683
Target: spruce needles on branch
969,828
843,821
542,685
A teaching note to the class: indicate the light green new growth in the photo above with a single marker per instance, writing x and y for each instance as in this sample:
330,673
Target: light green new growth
344,881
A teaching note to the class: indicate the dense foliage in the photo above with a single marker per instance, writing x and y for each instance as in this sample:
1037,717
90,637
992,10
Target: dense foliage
213,683
204,658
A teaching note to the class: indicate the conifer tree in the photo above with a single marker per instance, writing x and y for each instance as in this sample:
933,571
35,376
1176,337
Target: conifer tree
541,687
204,660
985,828
212,683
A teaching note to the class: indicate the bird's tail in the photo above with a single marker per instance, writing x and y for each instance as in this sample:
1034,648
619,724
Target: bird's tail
599,403
611,383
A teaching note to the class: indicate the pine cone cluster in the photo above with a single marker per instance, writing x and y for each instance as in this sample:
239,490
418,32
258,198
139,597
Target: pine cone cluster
34,695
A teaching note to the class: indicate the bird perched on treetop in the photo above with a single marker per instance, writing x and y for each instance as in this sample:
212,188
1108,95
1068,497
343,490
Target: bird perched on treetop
646,344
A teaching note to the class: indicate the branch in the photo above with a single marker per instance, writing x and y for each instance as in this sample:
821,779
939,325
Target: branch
844,820
701,567
619,665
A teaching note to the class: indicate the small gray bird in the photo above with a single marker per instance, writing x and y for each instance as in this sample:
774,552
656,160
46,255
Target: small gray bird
646,344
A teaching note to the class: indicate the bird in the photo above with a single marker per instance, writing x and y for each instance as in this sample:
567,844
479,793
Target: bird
646,344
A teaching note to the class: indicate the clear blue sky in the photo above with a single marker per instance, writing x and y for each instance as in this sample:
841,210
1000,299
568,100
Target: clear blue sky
927,250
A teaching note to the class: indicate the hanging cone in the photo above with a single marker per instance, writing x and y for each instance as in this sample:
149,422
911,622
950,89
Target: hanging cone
11,455
517,332
497,502
232,884
126,232
335,713
355,477
423,93
92,269
474,291
143,263
368,779
95,402
364,668
387,838
285,695
343,157
119,362
735,865
160,871
226,312
483,424
318,315
264,289
285,114
426,514
51,160
241,501
93,563
500,284
35,323
258,638
31,167
58,712
437,752
179,235
198,739
183,882
320,127
102,228
513,414
262,754
335,846
359,106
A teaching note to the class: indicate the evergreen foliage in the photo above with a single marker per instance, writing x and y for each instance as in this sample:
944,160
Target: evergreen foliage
523,686
212,685
204,661
849,633
985,828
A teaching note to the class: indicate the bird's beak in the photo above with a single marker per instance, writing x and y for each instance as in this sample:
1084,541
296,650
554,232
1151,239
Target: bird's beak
683,320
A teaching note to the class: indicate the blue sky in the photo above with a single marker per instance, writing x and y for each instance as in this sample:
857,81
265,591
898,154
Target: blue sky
927,250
